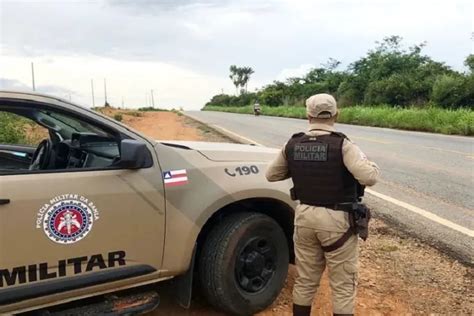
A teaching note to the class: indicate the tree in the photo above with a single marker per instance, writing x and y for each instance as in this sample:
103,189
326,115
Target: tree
469,63
331,64
235,77
246,73
240,76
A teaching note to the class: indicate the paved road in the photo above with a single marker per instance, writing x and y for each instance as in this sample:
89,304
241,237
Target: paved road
427,184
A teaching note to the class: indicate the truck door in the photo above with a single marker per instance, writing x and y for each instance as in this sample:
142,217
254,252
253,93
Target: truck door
65,229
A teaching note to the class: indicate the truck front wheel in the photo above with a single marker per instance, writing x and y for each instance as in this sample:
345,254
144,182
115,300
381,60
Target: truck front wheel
244,263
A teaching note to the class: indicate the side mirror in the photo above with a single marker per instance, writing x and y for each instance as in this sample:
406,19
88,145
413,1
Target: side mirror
134,154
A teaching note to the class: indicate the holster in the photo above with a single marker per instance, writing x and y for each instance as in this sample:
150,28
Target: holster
359,219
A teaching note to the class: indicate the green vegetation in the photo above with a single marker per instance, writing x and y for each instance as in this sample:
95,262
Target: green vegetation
417,92
152,109
388,74
12,129
133,113
430,119
118,117
18,130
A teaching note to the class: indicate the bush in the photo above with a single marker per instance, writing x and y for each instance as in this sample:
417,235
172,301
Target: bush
12,129
451,91
230,100
118,117
151,109
396,90
272,97
133,113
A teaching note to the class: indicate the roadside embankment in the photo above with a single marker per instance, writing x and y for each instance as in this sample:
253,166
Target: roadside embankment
435,120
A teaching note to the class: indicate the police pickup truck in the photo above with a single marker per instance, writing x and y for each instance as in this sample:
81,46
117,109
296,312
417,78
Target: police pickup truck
98,208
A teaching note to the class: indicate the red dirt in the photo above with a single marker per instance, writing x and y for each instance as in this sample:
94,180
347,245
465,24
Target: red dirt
163,126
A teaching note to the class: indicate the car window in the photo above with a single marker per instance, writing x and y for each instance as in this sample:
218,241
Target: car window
52,141
70,125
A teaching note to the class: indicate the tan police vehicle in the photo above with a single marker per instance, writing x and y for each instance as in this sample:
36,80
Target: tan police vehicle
97,208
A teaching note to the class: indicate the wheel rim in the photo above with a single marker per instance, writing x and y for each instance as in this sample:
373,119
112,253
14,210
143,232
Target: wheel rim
256,264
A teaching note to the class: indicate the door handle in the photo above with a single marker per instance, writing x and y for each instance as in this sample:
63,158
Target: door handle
4,201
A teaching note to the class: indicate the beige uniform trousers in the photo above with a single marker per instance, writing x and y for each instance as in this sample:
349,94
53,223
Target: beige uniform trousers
316,227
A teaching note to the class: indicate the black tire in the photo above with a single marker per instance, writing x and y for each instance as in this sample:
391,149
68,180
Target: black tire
244,263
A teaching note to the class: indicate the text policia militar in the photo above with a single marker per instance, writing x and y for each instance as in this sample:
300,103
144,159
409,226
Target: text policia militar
311,152
45,271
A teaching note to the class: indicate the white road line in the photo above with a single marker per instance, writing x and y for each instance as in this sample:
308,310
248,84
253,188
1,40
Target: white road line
422,212
409,207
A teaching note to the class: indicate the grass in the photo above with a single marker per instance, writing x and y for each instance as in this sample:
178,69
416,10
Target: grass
432,119
133,113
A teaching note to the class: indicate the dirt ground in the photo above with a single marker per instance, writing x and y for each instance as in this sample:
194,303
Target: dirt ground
164,125
398,274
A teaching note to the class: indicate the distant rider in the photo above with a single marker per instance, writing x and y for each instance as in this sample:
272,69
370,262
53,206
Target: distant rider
256,108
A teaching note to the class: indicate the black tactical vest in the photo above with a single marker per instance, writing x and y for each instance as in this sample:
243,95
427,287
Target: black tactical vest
317,168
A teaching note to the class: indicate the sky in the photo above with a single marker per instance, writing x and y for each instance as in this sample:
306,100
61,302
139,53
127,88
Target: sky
182,49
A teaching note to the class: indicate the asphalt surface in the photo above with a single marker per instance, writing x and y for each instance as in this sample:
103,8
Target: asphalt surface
427,183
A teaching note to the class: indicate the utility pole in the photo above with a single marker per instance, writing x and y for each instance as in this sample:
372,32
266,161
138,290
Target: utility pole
105,93
92,90
33,76
152,99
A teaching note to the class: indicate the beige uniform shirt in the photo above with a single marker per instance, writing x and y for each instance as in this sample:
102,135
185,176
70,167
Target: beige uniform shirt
320,218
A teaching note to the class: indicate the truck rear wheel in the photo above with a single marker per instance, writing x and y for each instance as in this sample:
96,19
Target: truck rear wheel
244,263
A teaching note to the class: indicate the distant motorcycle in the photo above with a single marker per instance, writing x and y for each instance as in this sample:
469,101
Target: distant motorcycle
256,109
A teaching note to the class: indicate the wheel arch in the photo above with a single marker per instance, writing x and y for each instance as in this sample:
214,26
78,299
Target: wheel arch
278,210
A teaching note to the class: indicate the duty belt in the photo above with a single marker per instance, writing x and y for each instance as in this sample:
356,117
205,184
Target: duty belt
346,207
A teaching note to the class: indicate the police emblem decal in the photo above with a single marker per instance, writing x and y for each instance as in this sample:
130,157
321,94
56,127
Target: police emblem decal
67,218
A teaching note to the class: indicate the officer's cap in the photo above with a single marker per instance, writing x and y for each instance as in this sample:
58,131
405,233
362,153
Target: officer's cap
321,105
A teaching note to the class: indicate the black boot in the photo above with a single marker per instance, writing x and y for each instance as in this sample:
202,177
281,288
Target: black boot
301,310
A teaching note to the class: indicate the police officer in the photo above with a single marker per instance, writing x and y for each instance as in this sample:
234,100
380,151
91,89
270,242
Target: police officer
326,169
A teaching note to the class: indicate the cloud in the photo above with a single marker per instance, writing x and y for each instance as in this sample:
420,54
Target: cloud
58,91
51,89
146,5
299,71
131,81
13,84
185,39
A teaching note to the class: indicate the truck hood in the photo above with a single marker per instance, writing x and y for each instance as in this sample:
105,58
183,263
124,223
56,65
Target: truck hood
226,151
